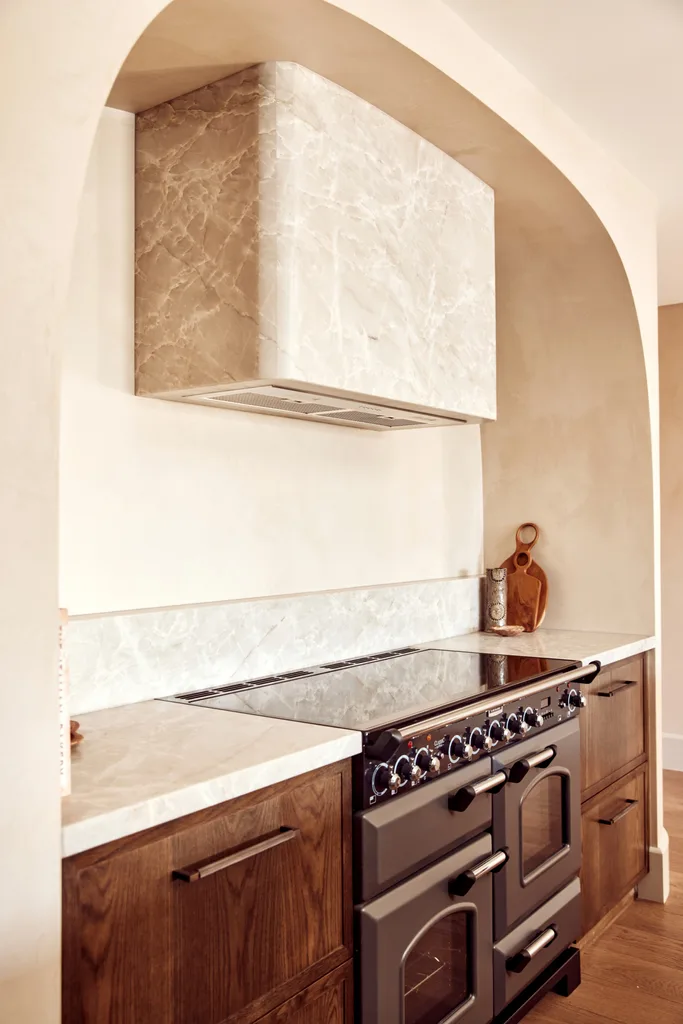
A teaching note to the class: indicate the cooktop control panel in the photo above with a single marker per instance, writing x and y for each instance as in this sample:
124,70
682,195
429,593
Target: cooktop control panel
395,760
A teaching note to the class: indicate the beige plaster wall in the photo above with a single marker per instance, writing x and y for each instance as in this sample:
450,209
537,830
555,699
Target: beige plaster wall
66,57
671,427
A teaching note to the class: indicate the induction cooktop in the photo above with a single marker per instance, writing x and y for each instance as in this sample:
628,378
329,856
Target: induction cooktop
371,692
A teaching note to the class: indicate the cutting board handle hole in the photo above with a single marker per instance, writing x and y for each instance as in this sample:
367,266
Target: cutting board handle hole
522,559
527,535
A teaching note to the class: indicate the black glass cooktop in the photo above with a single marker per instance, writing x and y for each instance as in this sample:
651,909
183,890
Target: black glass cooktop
382,690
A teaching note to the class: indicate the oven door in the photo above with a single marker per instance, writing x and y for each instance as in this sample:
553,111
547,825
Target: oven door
537,818
426,945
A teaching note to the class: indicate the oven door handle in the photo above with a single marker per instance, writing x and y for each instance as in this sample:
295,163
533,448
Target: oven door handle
462,799
461,884
516,964
521,769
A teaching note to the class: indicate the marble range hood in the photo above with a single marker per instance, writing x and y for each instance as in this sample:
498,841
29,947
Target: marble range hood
300,252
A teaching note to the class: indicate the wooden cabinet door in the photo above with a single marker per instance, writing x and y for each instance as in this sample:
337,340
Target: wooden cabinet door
329,1001
218,917
614,830
612,725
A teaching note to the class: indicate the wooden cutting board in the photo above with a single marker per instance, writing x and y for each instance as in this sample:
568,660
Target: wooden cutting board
527,583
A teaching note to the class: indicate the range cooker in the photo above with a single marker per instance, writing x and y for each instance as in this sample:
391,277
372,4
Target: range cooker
466,823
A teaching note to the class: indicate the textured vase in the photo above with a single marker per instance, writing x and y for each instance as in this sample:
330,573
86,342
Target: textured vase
495,607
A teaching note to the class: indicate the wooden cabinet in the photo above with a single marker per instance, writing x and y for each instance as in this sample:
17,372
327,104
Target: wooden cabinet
614,832
614,787
218,917
612,725
329,1001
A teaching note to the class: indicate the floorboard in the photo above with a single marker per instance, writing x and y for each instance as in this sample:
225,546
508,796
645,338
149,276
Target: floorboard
633,974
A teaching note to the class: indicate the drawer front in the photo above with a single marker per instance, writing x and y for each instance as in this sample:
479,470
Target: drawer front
328,1001
525,952
406,833
613,722
277,908
614,826
219,917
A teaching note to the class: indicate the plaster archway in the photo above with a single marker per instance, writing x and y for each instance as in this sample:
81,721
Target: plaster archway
59,64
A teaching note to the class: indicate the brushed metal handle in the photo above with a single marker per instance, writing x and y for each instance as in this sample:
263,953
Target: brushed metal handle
630,804
484,706
626,685
196,872
517,963
462,884
521,769
461,800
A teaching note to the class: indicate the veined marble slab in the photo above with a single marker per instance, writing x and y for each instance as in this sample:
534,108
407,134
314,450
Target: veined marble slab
149,763
119,659
574,645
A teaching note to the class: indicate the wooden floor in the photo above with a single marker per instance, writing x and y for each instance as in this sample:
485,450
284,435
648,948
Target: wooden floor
633,974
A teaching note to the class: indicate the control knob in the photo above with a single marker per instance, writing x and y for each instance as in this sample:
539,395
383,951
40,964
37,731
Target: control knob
518,726
533,718
480,740
387,778
428,763
409,772
460,749
572,699
499,732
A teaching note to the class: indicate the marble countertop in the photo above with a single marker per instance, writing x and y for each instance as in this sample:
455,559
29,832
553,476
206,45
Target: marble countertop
574,645
144,764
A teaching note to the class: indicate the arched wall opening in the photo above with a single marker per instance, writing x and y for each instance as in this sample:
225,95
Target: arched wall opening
572,376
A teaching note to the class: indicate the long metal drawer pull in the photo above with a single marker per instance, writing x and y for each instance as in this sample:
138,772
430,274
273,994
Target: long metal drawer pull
462,884
196,872
630,804
482,706
516,964
521,769
461,800
626,685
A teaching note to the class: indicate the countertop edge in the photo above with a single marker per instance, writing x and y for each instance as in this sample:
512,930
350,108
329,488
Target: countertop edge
79,836
622,652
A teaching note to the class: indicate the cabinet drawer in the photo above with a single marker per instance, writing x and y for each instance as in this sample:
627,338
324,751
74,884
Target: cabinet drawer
615,854
216,918
612,724
328,1001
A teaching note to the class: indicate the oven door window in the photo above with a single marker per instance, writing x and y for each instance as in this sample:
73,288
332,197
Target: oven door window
544,823
437,969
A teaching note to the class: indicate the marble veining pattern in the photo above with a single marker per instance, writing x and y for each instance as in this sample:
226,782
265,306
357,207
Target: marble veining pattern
119,659
287,229
152,762
572,644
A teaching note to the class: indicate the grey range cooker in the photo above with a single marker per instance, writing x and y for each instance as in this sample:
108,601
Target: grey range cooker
467,841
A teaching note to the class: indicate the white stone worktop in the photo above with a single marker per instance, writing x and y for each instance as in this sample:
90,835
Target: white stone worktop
144,764
574,645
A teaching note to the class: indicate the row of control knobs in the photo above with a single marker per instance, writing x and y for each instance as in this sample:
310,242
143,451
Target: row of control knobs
465,747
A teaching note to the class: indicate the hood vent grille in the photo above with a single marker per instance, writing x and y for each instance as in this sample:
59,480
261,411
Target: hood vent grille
321,408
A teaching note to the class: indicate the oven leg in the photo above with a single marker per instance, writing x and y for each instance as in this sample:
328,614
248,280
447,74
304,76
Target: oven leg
572,978
561,976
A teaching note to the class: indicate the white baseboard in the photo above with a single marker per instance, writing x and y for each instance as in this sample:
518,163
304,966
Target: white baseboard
672,751
655,885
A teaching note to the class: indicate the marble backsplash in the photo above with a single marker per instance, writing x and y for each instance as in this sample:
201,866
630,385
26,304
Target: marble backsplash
121,659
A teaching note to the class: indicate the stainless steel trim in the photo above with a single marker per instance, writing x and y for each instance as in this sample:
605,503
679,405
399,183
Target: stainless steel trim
539,943
482,706
485,867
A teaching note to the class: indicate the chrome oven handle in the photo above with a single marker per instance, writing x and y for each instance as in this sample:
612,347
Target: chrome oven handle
462,799
521,769
516,964
489,703
461,884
